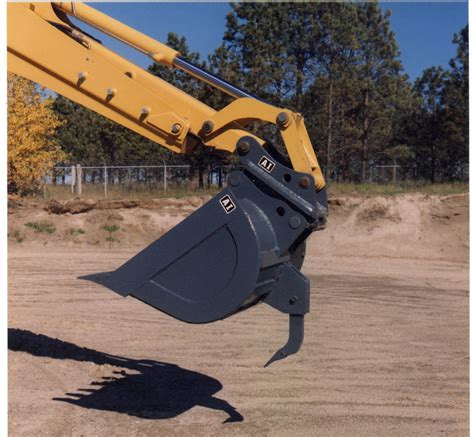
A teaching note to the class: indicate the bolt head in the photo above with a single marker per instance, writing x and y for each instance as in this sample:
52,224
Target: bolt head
243,148
146,110
294,222
304,182
234,179
282,118
293,300
176,128
207,127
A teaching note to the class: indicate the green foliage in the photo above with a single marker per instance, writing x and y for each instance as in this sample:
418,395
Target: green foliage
73,232
16,235
427,135
391,189
202,158
400,152
456,107
91,191
110,228
337,64
91,139
41,227
437,129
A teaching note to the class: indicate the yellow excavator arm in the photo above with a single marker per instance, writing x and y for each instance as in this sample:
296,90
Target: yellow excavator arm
46,47
247,244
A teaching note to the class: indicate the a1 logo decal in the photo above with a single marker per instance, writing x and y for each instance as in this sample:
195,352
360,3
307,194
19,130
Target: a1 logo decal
266,163
227,204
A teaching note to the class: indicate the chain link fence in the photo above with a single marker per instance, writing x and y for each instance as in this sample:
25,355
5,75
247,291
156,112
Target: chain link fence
390,173
124,180
394,173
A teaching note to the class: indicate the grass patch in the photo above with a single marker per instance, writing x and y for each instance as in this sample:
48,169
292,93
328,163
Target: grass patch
142,192
16,235
73,232
399,188
111,228
41,227
121,192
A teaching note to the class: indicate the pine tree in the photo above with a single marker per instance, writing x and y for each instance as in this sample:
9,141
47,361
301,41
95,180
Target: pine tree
255,39
383,90
428,133
201,158
328,105
456,101
336,63
91,139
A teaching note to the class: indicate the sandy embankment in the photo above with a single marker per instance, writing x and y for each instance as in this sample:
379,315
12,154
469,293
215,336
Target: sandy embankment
403,226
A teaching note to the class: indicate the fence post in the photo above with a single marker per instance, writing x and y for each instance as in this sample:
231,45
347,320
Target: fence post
79,180
73,178
165,177
105,180
219,184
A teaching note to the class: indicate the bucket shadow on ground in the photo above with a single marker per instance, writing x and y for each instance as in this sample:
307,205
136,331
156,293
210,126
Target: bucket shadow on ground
142,388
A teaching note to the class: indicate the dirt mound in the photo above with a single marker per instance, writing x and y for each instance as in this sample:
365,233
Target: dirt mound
71,206
407,226
79,206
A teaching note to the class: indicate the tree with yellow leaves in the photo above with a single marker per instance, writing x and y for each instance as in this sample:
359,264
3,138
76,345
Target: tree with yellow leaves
32,150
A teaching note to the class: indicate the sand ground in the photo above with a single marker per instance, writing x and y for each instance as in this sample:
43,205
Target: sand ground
386,345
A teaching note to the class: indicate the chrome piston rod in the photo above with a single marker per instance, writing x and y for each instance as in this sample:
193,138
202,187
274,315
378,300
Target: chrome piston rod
210,78
157,51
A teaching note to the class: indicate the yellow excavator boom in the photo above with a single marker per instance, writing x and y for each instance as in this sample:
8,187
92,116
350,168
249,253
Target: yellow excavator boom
46,47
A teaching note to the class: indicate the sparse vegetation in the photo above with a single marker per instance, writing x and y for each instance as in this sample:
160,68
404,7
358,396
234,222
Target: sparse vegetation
41,227
111,229
73,232
400,188
93,192
119,192
16,235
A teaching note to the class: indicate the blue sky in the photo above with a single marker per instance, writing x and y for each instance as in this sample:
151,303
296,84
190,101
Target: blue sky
423,30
